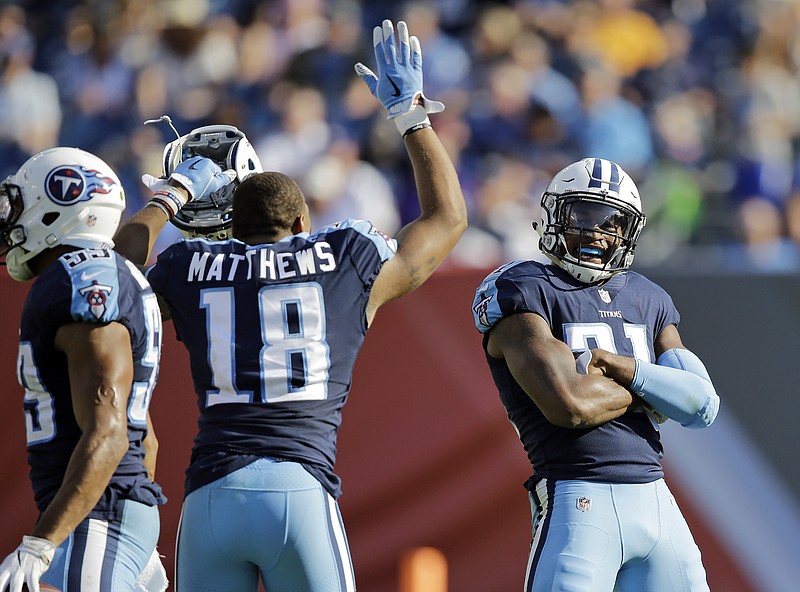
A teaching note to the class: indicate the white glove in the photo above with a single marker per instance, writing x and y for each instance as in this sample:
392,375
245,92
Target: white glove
398,83
26,564
153,578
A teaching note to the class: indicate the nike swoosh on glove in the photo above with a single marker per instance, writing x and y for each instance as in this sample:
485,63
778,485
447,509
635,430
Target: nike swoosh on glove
398,82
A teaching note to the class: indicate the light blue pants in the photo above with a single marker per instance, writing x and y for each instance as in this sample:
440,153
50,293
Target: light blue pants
611,537
271,520
104,555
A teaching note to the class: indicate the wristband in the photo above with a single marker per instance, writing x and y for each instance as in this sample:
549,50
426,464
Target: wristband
169,199
416,128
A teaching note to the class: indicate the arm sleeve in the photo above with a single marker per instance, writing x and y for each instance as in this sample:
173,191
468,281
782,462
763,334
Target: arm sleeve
678,385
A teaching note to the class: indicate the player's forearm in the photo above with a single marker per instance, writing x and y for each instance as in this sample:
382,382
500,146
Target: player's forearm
135,240
439,190
91,467
679,387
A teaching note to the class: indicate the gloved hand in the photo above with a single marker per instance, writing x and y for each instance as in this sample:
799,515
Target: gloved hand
26,564
398,83
201,176
197,175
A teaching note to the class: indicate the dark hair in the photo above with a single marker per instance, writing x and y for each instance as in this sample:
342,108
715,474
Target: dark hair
266,202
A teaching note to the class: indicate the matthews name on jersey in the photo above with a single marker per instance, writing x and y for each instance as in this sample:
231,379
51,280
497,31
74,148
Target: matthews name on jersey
272,333
93,286
622,315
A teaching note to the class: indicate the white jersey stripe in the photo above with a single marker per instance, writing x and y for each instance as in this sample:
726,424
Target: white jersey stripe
93,556
341,544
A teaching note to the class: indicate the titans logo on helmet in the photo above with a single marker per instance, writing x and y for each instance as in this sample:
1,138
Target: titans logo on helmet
67,185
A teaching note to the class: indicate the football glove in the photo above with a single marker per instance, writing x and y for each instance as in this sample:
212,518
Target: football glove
26,564
398,83
199,176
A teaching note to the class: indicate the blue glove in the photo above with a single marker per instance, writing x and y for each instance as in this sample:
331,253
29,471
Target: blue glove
201,176
398,84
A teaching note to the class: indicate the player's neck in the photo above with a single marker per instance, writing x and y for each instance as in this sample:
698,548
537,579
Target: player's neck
263,238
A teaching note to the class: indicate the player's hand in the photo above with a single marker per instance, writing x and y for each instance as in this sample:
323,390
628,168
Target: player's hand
398,83
201,176
26,564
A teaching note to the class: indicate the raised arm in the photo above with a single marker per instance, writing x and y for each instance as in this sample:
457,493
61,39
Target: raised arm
192,179
424,243
545,368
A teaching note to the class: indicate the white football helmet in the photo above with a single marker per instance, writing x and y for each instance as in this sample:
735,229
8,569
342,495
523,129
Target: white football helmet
591,218
61,196
210,217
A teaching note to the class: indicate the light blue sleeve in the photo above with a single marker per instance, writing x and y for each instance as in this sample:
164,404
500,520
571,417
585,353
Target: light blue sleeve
678,386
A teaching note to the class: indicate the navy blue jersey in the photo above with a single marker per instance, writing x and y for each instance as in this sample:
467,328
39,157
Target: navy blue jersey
89,286
623,315
272,333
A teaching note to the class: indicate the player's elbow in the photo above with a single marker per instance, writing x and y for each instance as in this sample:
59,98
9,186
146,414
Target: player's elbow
706,413
568,414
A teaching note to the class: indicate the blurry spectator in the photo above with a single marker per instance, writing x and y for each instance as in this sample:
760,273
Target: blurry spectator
95,83
763,245
548,87
339,185
303,135
193,57
446,63
30,112
697,99
621,37
616,128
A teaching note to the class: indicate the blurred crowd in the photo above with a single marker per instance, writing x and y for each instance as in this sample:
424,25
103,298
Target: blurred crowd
698,99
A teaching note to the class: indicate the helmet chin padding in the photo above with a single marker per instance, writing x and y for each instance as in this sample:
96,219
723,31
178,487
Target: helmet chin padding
227,146
605,186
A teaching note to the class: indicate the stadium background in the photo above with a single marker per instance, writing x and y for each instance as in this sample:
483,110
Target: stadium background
698,99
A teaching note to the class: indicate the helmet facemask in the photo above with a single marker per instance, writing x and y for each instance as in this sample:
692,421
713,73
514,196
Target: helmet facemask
591,220
596,235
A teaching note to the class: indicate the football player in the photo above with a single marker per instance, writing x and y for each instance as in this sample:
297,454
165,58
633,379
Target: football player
89,346
273,320
587,359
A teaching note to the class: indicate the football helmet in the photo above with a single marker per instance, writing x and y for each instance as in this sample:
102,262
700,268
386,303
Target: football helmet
591,218
210,217
60,196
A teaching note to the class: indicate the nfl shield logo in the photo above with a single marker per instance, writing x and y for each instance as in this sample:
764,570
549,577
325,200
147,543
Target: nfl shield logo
584,504
604,296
